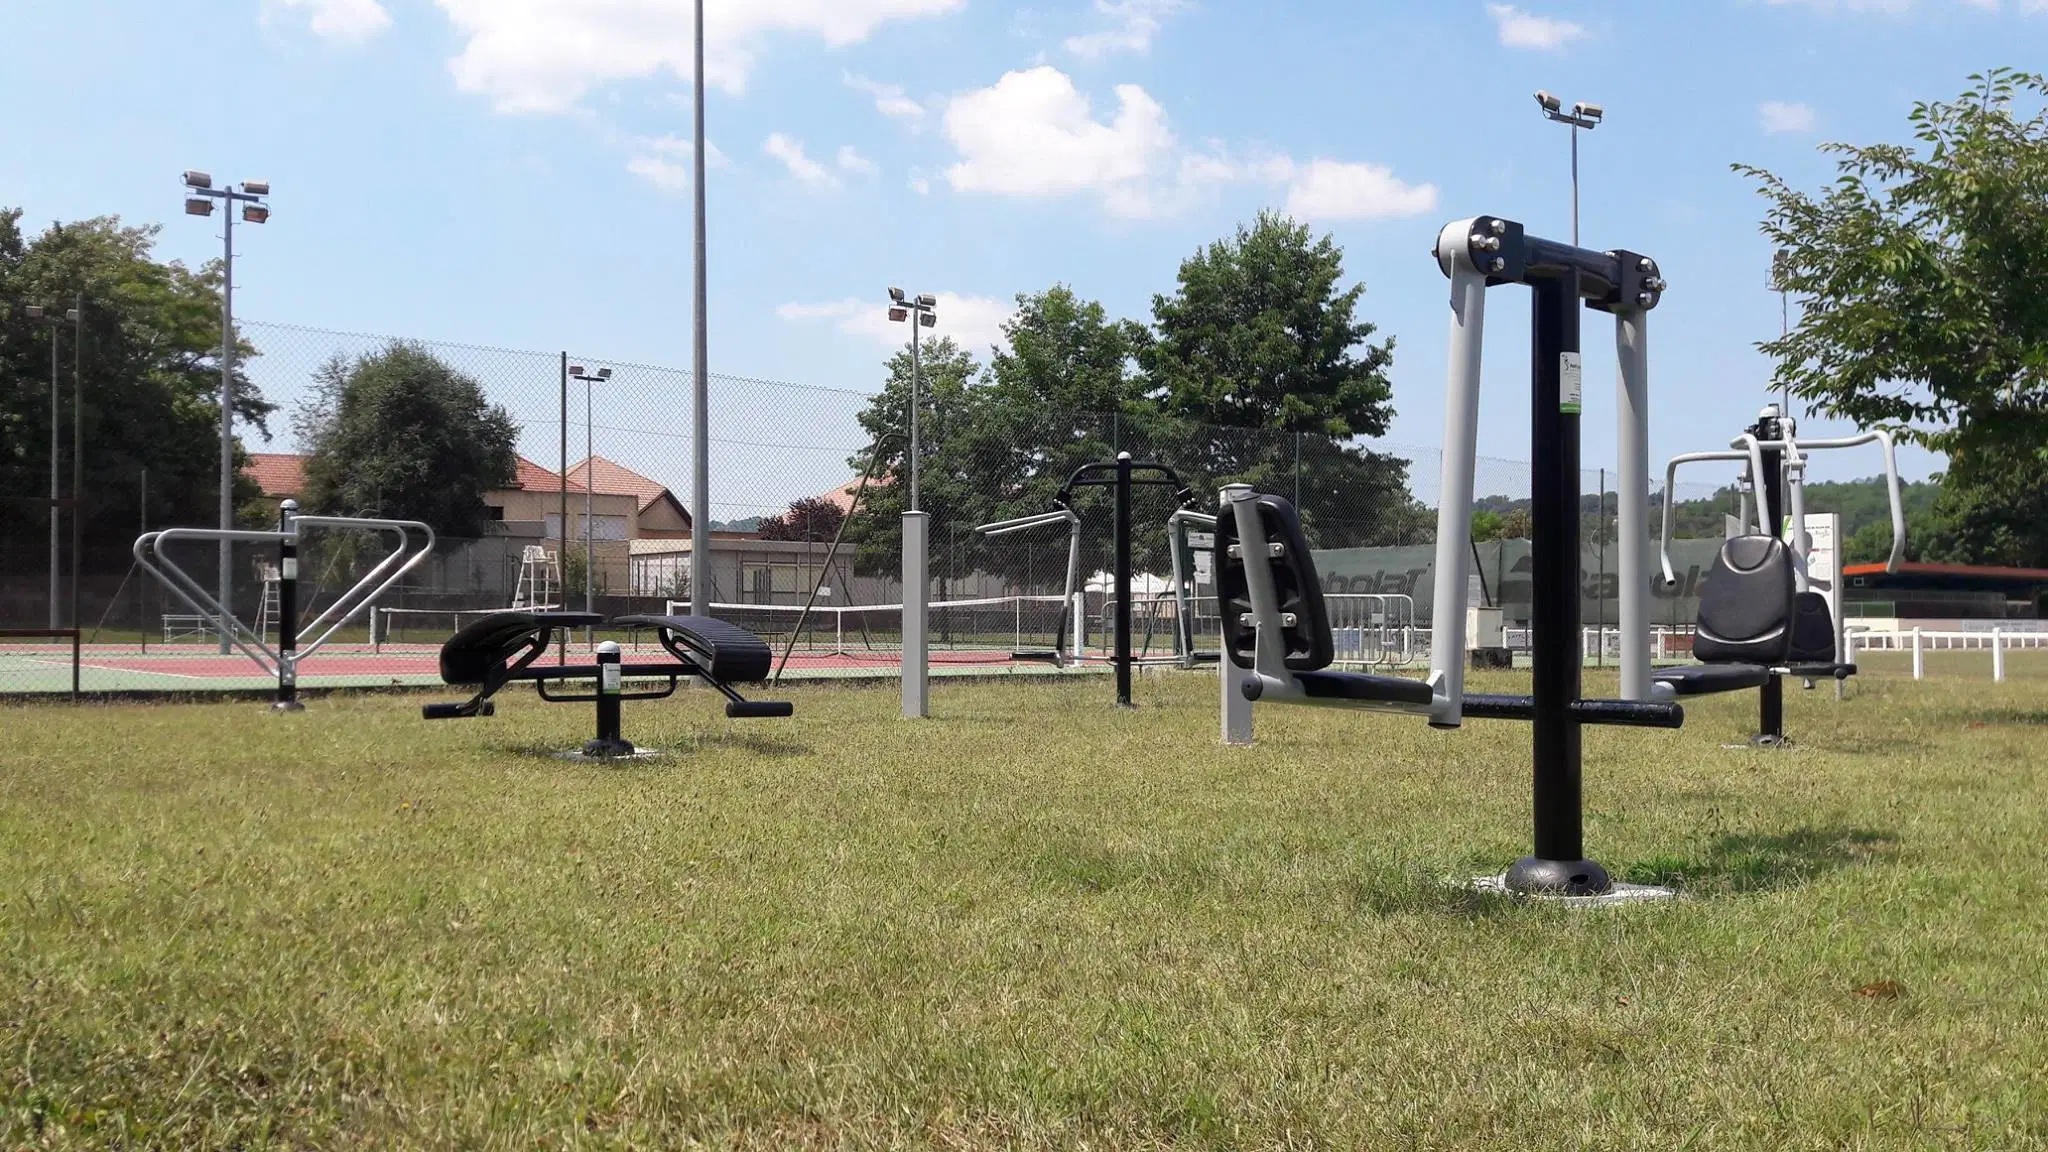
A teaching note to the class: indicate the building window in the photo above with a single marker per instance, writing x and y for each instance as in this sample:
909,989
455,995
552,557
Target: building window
497,511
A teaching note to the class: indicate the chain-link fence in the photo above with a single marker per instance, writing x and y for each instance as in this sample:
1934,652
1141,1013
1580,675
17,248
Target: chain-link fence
597,512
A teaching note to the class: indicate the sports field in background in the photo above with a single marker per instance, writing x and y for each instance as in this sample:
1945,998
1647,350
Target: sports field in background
1032,921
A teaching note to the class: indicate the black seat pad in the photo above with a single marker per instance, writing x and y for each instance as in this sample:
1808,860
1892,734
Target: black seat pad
1746,607
1364,687
1706,679
1813,630
482,646
1307,641
727,653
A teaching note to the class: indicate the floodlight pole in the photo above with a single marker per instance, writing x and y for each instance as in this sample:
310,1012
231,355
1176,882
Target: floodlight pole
54,414
1582,115
700,371
921,311
198,184
590,378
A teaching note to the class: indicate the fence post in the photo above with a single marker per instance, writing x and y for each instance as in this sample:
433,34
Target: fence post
1237,710
1918,668
1997,656
1848,657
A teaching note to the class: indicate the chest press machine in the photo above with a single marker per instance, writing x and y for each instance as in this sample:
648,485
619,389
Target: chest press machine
1276,632
1761,618
501,648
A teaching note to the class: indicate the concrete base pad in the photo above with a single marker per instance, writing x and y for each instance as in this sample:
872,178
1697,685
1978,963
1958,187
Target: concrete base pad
1621,893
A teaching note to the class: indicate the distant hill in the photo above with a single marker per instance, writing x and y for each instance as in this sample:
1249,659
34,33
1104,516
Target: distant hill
1860,503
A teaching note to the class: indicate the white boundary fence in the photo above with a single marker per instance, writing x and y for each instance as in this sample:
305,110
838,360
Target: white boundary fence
1920,641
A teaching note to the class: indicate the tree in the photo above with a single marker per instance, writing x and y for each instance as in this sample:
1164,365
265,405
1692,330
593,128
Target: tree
810,518
150,385
402,435
1259,336
1925,269
946,490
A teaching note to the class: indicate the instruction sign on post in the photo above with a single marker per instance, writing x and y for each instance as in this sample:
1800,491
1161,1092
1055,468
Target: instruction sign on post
1203,544
1568,381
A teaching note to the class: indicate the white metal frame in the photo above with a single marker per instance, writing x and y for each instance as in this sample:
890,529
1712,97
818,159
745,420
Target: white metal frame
404,557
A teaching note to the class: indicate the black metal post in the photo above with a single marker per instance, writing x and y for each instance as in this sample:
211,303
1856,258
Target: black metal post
1558,864
1123,579
287,612
1770,494
608,742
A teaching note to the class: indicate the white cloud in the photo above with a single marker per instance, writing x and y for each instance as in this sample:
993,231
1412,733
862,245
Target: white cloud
918,183
544,55
974,322
890,99
351,21
801,166
664,161
1777,116
1331,190
1033,135
1136,22
1519,29
850,160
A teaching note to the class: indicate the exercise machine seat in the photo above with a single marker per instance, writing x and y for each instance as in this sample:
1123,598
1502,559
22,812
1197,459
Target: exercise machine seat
1305,621
1746,608
1813,630
727,653
1706,679
483,646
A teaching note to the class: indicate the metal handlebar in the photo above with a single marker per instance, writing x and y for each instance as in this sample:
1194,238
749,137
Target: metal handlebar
1754,457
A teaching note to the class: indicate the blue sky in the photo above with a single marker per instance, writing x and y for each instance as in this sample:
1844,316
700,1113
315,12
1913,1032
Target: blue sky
515,172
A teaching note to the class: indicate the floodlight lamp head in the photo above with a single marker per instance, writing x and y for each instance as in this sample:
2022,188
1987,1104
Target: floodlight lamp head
256,187
1589,111
927,300
1550,103
575,369
197,179
32,311
896,294
604,373
71,315
928,320
255,214
899,314
198,206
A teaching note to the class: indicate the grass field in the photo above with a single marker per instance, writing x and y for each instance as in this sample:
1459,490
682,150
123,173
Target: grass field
1031,922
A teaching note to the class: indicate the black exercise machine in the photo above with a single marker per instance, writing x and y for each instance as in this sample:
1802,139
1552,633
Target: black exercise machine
501,648
1759,620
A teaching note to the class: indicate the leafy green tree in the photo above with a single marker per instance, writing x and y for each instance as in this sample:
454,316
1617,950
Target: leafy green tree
1261,335
1925,271
150,375
402,435
947,482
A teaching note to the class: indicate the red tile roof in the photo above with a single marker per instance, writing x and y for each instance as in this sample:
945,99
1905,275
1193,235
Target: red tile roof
615,479
284,474
279,474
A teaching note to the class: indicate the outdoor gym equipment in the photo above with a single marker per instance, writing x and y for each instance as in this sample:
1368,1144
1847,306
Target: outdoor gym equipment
295,641
490,653
1761,617
1275,628
1121,474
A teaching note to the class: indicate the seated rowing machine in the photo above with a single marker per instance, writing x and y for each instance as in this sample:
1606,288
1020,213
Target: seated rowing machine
501,648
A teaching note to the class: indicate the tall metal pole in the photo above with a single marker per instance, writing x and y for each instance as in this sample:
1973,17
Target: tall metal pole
77,443
916,317
589,555
700,488
1575,185
1122,530
56,414
227,418
562,556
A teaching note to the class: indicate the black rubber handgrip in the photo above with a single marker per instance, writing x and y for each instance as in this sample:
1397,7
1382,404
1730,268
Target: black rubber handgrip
759,709
445,711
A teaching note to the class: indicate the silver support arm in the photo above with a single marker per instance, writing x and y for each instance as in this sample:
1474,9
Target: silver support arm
1795,510
402,559
1454,488
1632,499
1025,523
1754,456
1891,476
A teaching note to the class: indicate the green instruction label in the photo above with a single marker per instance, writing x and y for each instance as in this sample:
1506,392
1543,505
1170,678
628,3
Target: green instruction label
1568,382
